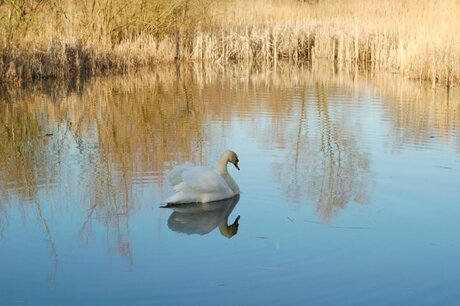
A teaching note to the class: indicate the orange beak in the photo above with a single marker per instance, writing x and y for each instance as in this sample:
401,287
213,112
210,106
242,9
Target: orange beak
236,166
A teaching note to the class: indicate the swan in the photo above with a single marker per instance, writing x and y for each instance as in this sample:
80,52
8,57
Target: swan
200,184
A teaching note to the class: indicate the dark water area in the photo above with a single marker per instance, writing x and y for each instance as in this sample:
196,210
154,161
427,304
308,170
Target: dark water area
350,187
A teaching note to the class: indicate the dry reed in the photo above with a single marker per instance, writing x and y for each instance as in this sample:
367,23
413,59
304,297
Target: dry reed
415,38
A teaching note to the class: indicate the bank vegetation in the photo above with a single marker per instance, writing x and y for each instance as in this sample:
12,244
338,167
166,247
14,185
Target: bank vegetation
74,39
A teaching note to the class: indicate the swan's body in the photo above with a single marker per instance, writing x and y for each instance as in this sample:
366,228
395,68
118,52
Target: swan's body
198,184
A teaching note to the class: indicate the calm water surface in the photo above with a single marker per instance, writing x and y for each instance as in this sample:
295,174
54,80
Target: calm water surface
350,191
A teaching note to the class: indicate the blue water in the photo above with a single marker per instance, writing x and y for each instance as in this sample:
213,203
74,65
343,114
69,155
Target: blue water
349,193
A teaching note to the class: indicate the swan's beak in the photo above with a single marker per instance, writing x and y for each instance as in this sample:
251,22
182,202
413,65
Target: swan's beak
236,166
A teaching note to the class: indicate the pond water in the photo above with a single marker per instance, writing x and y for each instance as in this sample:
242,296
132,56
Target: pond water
350,187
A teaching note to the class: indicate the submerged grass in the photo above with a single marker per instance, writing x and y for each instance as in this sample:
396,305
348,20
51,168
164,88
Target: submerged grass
64,39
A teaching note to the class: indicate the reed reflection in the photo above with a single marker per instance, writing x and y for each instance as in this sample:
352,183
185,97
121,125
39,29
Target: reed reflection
419,113
101,143
95,146
28,161
27,158
324,164
203,218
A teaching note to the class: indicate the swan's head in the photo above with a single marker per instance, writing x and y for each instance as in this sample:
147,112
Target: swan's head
232,158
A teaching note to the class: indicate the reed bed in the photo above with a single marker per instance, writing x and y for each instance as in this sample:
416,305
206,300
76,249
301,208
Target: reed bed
415,38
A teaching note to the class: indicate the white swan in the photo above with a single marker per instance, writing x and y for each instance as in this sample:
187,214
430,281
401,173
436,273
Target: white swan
198,184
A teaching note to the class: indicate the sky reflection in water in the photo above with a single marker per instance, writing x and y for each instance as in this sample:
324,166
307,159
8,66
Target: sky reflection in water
350,188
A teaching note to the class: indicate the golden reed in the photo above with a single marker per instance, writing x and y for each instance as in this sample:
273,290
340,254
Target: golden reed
414,38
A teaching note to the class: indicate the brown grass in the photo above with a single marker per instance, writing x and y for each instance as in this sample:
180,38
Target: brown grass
415,38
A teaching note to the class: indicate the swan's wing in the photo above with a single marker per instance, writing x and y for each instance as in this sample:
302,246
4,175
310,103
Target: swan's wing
201,180
174,176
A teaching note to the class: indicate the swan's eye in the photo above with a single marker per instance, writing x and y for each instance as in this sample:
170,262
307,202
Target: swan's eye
236,159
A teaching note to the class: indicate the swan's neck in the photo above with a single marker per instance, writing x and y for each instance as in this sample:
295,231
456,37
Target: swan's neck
222,165
223,172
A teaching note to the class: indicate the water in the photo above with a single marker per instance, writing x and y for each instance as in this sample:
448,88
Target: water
350,186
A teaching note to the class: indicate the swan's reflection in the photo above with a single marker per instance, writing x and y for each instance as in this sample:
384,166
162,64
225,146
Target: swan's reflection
202,218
